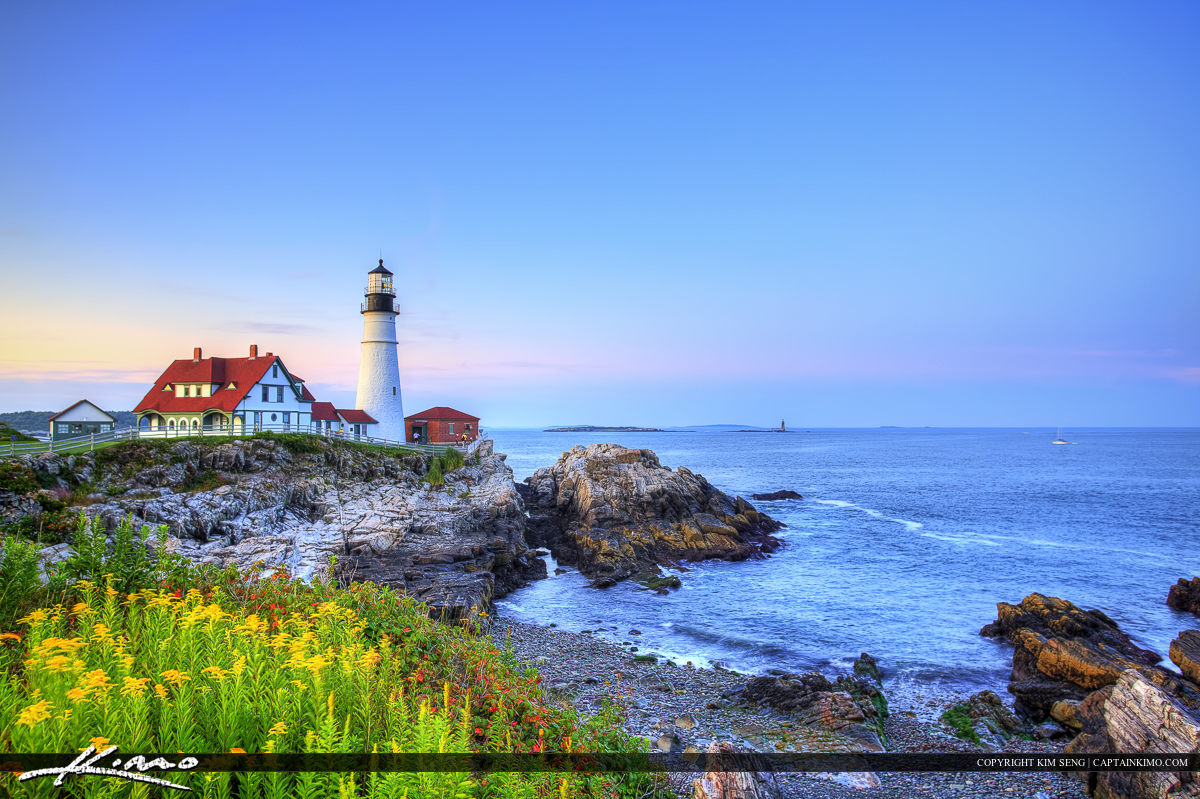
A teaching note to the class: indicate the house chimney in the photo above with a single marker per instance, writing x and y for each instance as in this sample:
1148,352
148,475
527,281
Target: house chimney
253,351
196,355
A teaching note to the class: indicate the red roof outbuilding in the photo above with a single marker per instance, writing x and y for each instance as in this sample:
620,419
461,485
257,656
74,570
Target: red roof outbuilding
442,413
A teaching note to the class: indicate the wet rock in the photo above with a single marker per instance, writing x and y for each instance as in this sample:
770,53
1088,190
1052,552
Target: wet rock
776,495
1185,595
983,719
867,667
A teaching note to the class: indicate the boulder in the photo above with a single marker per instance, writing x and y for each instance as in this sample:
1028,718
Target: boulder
983,719
734,784
1133,716
1185,595
614,513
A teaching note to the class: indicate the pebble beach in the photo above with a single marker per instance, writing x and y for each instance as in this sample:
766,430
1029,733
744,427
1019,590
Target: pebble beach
678,706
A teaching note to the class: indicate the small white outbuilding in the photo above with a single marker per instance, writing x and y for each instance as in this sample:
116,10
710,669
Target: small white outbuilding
80,419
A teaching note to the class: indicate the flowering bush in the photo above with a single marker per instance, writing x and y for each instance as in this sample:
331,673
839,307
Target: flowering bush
233,663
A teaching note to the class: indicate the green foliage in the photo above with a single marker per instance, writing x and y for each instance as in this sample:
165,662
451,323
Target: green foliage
645,659
88,550
17,478
18,579
297,443
130,562
451,459
201,480
434,475
658,581
959,721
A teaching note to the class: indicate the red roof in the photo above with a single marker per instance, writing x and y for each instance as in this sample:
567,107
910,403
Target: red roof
305,394
244,372
440,413
356,416
324,412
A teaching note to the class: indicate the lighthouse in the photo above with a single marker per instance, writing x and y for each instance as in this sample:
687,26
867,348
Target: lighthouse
379,369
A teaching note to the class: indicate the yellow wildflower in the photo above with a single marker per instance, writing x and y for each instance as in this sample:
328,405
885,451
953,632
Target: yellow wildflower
240,666
13,636
82,609
160,691
57,663
96,680
77,695
175,677
134,686
216,672
99,742
35,713
36,617
279,729
237,750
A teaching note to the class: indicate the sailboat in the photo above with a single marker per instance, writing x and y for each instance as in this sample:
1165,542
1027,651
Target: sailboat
1060,439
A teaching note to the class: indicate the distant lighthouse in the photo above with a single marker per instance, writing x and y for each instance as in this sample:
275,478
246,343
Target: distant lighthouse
379,369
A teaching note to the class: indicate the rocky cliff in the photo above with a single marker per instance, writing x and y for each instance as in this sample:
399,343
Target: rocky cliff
293,502
615,512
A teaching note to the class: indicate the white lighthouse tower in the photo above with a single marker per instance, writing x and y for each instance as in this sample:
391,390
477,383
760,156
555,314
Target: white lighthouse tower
379,369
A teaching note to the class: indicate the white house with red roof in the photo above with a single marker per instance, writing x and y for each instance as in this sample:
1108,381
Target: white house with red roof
340,421
232,394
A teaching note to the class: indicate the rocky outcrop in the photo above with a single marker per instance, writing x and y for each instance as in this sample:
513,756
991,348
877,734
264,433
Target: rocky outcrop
1135,716
983,719
776,495
615,512
1185,653
1064,653
851,709
296,504
1185,595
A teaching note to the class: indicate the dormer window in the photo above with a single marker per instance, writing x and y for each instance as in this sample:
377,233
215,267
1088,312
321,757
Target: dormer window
231,387
168,387
187,391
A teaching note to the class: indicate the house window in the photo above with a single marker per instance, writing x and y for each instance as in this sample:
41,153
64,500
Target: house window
187,391
266,397
450,428
287,420
171,424
279,393
275,371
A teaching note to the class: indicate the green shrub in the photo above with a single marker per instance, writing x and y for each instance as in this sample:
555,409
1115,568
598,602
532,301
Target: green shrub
18,579
88,550
202,480
451,459
299,444
17,478
434,476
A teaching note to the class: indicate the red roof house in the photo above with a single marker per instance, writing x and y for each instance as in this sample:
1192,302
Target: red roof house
441,425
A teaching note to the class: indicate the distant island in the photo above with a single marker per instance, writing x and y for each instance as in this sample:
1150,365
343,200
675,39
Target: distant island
591,428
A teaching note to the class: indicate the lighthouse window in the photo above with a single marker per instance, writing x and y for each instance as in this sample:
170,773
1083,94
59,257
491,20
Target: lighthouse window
393,391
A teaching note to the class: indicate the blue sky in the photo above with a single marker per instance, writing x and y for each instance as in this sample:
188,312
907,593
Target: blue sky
618,213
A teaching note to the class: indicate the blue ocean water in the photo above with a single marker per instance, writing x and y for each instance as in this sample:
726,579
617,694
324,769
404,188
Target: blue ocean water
903,544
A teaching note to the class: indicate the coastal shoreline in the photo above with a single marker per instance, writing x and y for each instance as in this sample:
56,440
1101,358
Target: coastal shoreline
658,699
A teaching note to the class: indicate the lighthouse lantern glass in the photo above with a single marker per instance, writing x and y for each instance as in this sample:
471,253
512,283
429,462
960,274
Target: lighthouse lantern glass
379,284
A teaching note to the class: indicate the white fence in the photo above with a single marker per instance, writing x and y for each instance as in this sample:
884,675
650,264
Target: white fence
89,441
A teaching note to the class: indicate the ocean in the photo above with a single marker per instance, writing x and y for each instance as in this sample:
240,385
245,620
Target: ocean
903,544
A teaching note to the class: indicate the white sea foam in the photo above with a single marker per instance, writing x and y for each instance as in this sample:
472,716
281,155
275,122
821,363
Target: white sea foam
962,539
911,526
